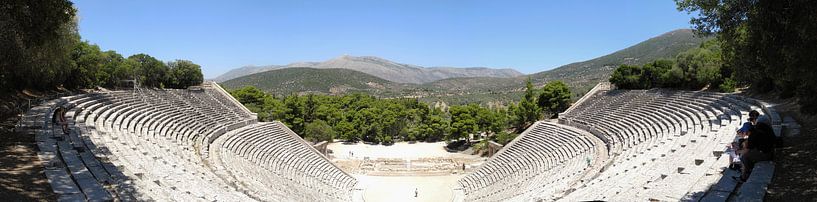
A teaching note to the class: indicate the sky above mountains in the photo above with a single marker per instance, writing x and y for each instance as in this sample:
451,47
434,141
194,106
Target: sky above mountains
529,36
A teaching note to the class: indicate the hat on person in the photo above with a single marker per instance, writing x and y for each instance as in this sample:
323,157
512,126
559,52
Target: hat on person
745,128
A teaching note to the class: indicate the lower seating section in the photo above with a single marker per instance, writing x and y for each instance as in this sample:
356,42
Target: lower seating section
664,145
273,163
543,162
152,145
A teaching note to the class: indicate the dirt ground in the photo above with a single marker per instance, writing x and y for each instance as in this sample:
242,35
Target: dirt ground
394,189
401,188
22,176
21,173
795,176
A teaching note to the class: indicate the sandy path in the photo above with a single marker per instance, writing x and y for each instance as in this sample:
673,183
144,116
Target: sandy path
22,176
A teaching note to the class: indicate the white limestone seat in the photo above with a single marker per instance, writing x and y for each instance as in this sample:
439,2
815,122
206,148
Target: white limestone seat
688,128
527,167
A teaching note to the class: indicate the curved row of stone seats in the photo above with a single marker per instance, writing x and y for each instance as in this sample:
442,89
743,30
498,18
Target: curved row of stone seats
666,144
71,170
162,168
273,162
163,165
544,161
135,145
225,98
662,154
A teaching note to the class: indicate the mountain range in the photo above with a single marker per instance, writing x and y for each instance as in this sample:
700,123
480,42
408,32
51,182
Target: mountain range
392,71
385,78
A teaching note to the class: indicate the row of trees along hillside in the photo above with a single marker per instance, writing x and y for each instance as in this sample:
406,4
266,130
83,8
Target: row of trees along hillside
694,69
356,117
40,48
769,45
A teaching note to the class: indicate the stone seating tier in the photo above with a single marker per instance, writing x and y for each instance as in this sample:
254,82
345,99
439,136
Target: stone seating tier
543,160
146,145
665,144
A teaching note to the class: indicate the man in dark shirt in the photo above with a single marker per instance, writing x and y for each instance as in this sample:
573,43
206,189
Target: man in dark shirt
760,147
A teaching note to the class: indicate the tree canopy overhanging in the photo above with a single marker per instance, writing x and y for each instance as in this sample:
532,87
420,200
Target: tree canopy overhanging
40,48
769,45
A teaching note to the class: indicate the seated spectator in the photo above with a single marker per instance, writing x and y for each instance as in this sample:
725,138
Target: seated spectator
737,148
60,119
753,116
759,118
759,147
743,130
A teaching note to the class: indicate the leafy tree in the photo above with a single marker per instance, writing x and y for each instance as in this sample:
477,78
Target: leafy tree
674,77
434,126
346,131
526,111
183,74
555,98
115,68
249,95
504,137
652,73
728,85
318,131
463,122
294,116
36,38
367,122
627,77
702,66
40,48
768,44
150,71
491,120
85,67
692,69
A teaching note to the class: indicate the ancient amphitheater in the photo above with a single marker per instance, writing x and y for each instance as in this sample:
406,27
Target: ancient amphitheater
200,144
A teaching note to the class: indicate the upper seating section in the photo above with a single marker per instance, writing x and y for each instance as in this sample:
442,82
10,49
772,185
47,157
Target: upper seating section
545,160
195,115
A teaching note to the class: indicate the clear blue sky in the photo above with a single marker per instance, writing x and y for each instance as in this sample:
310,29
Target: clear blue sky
529,36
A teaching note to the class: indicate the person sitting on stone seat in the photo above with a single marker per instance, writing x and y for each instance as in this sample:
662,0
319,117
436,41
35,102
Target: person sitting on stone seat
737,148
60,116
759,147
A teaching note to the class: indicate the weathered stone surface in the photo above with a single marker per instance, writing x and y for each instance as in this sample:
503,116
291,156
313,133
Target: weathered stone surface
61,182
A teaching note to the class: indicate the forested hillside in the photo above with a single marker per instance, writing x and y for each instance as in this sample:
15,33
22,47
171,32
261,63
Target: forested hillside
322,81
